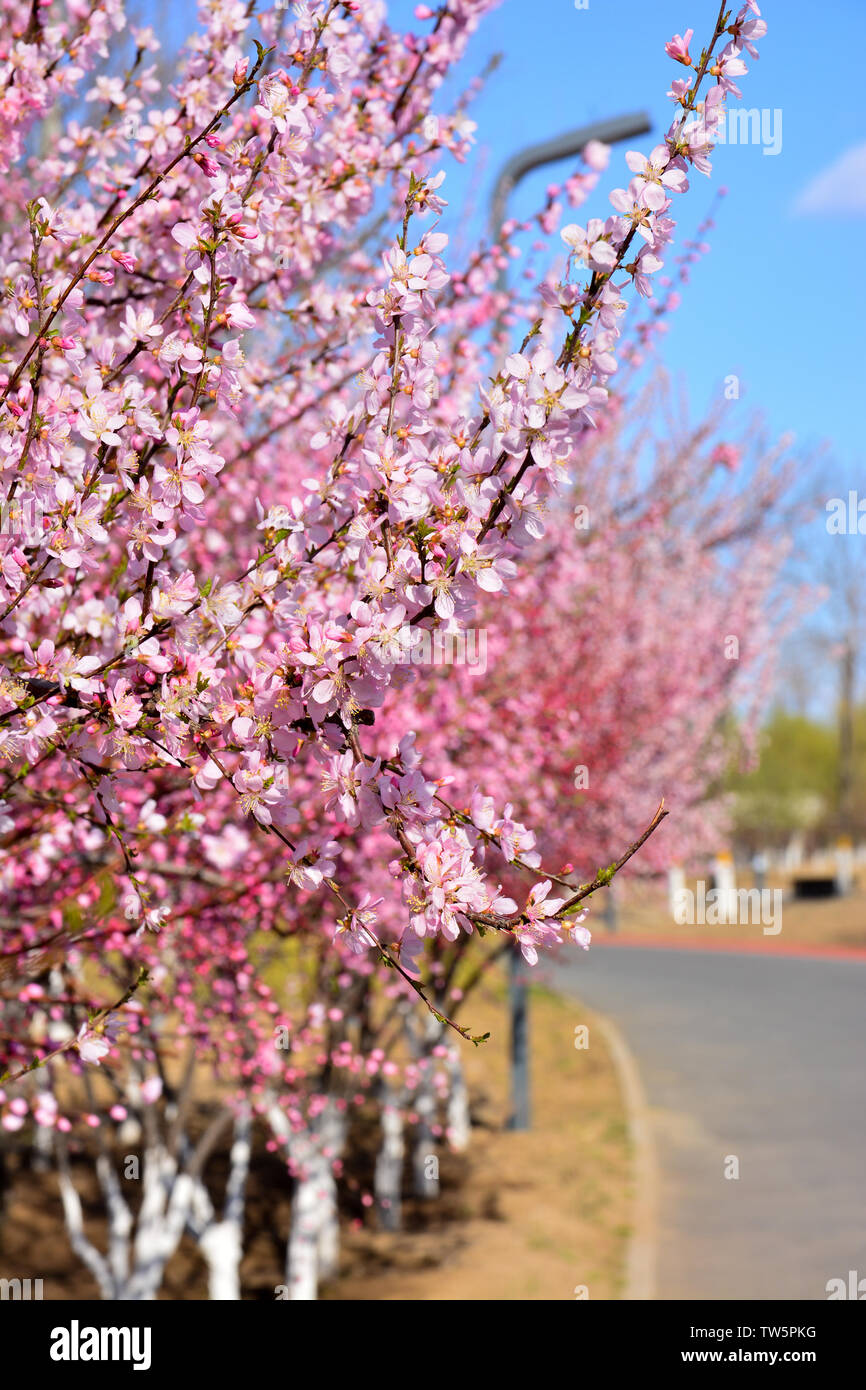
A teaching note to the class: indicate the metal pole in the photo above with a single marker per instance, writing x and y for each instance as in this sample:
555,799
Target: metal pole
560,147
518,997
523,162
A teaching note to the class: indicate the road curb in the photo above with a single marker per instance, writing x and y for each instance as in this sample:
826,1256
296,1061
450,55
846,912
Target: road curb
641,1260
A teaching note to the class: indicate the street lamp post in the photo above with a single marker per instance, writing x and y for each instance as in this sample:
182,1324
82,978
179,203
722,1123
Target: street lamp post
517,167
560,147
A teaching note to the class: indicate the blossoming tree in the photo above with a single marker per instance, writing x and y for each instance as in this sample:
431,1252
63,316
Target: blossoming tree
244,452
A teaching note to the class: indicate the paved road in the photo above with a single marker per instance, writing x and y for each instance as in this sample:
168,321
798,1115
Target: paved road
763,1059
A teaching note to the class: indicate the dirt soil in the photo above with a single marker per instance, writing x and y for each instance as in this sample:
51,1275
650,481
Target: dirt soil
538,1214
520,1216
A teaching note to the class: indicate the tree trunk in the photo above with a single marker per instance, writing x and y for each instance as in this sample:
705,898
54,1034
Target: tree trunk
388,1179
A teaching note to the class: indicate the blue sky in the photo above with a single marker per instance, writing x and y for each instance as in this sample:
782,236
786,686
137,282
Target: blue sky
780,299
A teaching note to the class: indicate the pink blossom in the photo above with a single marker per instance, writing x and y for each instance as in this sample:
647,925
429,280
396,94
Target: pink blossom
678,47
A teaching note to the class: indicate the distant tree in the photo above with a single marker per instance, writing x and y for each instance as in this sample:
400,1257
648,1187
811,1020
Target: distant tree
795,784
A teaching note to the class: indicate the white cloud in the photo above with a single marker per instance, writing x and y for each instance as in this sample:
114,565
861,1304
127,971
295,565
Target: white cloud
840,188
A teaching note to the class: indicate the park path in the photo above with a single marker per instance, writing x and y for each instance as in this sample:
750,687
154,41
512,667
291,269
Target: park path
762,1059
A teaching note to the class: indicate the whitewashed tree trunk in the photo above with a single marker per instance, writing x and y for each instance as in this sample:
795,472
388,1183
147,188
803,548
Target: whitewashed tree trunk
134,1267
425,1164
302,1251
160,1227
221,1241
90,1257
457,1117
332,1138
313,1247
165,1208
388,1178
222,1247
119,1221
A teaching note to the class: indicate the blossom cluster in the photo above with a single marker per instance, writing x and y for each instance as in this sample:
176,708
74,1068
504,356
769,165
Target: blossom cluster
259,449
